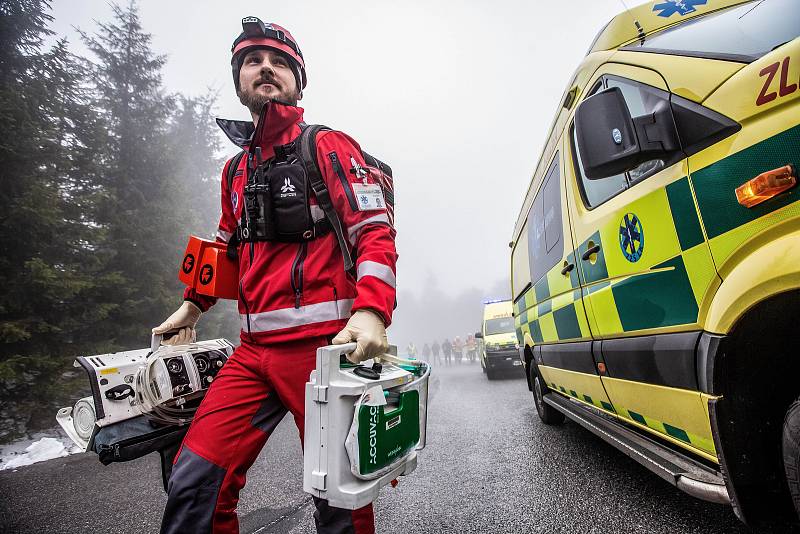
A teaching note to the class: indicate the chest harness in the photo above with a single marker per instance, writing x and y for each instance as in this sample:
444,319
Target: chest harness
277,196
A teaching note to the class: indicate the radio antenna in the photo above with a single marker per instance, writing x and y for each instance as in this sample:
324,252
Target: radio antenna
639,30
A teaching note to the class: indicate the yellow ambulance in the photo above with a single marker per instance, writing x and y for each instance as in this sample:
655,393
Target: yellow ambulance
498,347
655,264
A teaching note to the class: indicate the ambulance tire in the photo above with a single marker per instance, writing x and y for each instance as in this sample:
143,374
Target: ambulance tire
548,414
791,452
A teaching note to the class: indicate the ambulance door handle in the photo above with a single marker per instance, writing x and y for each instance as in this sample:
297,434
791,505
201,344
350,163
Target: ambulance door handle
592,250
567,268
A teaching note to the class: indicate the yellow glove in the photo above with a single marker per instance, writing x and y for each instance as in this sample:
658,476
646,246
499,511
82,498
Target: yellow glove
366,328
185,318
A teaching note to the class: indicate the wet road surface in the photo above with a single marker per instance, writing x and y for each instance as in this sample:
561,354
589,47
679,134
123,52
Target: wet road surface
490,466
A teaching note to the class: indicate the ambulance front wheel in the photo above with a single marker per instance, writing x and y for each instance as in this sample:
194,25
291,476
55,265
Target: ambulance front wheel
548,414
791,452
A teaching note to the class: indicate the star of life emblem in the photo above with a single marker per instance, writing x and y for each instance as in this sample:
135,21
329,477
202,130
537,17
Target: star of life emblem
681,7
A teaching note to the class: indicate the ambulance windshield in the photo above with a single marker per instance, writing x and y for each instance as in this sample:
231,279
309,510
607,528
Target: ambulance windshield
500,325
742,33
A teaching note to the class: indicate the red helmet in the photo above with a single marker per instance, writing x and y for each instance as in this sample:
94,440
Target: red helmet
257,34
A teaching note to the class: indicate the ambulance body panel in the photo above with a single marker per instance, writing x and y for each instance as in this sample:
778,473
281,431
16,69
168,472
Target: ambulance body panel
765,99
654,297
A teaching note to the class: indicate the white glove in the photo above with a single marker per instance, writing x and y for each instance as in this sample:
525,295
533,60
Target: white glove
366,328
185,318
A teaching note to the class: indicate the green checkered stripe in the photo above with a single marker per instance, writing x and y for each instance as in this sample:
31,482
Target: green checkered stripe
659,426
676,290
603,405
714,185
548,310
670,430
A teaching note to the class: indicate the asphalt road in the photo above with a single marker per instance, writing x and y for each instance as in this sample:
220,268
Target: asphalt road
489,466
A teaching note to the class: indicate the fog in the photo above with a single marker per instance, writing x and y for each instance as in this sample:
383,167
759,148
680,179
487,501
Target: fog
457,97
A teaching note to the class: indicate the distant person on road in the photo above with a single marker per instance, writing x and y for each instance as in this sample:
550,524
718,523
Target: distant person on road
435,348
447,348
411,349
458,349
472,347
426,352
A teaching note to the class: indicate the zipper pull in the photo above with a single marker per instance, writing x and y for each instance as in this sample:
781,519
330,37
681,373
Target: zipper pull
358,170
297,299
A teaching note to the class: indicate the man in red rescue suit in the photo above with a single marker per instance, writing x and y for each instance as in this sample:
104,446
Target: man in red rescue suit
293,298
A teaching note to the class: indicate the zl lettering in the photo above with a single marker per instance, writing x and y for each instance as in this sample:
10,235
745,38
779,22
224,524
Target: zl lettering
768,92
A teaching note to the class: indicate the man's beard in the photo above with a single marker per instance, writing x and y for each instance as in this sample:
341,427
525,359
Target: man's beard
254,101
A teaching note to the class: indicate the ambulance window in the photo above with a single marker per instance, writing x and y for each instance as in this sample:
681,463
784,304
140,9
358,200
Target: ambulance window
520,268
499,325
595,192
740,33
552,210
536,239
641,100
544,225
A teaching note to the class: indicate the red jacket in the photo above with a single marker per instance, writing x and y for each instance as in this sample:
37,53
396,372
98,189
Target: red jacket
290,291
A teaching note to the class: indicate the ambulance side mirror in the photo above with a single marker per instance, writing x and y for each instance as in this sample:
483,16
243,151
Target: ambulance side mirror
611,142
478,335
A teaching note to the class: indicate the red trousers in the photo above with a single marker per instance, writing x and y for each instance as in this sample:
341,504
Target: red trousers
252,393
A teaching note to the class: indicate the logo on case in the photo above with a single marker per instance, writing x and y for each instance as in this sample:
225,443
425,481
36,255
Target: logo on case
188,263
287,186
287,189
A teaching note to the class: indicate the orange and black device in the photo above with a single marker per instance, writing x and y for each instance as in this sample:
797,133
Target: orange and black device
207,268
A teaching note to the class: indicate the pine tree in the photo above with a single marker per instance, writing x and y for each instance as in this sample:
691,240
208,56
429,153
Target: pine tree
104,177
22,28
196,145
45,237
137,208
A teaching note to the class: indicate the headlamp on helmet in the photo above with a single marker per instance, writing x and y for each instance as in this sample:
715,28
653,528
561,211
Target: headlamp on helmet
253,27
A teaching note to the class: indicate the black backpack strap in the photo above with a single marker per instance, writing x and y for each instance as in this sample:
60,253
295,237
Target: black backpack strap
232,166
233,242
308,153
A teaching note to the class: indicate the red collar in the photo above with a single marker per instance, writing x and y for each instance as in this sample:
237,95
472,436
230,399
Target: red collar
277,125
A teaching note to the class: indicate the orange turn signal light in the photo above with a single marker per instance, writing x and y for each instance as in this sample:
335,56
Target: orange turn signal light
766,185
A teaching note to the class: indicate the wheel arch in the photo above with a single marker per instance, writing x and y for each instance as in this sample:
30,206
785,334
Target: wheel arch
530,364
754,371
759,272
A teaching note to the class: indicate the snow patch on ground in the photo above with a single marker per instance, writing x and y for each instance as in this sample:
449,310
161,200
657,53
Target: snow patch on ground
39,448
